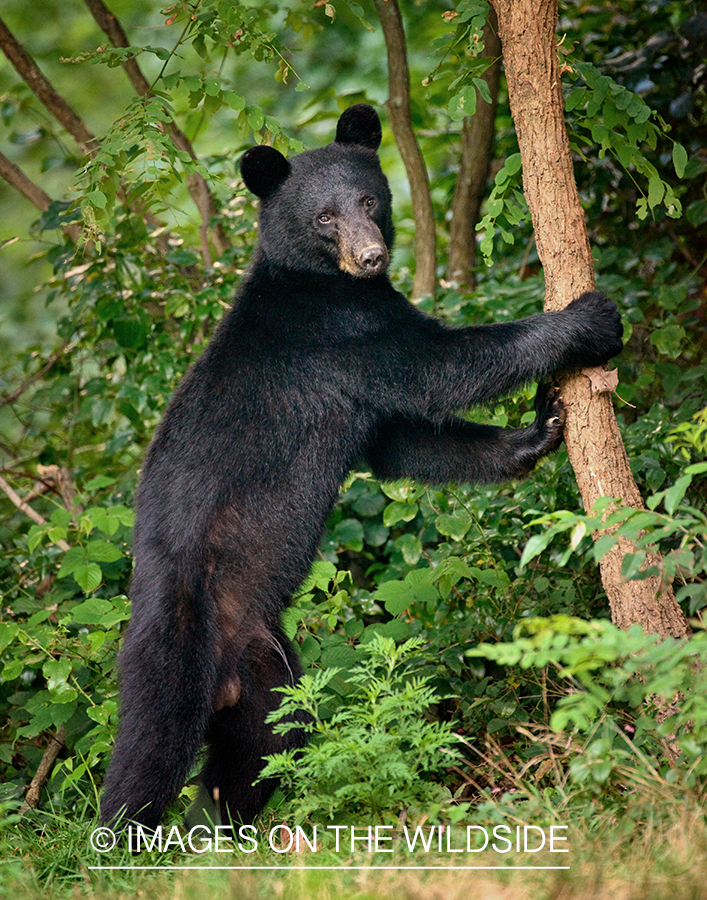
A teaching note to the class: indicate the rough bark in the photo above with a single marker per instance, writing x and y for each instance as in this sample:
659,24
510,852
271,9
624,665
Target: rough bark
196,184
398,107
476,141
596,451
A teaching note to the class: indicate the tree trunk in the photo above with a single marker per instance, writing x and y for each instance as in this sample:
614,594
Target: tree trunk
470,187
398,107
596,451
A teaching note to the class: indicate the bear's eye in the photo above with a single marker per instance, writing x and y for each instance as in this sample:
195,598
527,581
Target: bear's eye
324,219
369,202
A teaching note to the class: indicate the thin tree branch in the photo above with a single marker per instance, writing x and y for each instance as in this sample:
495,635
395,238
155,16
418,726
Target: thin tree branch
67,118
470,187
31,74
197,186
110,24
17,179
15,498
29,381
398,107
56,744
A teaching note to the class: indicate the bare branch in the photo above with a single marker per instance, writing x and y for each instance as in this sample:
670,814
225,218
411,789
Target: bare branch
398,107
118,38
10,398
198,188
56,744
31,74
15,498
17,179
59,478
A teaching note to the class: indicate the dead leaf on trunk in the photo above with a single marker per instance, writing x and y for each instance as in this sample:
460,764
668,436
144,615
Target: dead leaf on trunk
602,380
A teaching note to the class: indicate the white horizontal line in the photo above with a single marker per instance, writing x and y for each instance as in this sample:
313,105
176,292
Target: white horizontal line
337,868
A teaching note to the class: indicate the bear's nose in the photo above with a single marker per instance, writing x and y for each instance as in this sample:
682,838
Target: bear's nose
372,257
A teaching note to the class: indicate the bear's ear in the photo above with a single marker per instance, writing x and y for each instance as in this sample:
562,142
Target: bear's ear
359,124
263,168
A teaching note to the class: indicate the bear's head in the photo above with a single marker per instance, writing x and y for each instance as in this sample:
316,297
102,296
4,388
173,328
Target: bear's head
326,210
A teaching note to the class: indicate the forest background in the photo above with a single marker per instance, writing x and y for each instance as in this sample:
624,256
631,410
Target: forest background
462,662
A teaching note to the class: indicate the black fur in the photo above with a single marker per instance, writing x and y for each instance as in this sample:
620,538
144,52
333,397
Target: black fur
320,364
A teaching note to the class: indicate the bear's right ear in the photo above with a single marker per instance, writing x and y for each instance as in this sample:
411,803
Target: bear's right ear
263,168
359,124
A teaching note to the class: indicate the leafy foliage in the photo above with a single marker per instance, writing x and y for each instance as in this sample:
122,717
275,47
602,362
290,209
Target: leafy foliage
371,757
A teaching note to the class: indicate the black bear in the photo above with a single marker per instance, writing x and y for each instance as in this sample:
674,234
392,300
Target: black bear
319,365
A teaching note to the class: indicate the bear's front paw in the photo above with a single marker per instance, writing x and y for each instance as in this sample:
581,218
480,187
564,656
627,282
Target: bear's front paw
602,329
549,416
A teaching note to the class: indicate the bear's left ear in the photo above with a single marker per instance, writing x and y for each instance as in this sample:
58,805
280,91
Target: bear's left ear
359,124
263,168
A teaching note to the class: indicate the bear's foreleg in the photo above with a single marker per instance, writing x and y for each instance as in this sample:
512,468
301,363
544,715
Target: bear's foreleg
466,452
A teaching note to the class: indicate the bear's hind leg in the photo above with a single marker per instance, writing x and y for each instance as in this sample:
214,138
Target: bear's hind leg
169,670
238,735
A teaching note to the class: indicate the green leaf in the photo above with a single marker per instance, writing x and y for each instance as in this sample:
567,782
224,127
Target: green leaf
411,548
98,518
397,596
656,191
256,119
97,198
212,86
310,649
483,89
35,536
603,545
463,103
103,551
668,340
57,672
697,213
495,577
679,159
12,670
88,577
349,534
631,564
235,101
396,630
341,656
60,517
674,495
399,512
130,332
73,558
91,611
535,546
97,482
454,526
513,163
8,633
102,714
